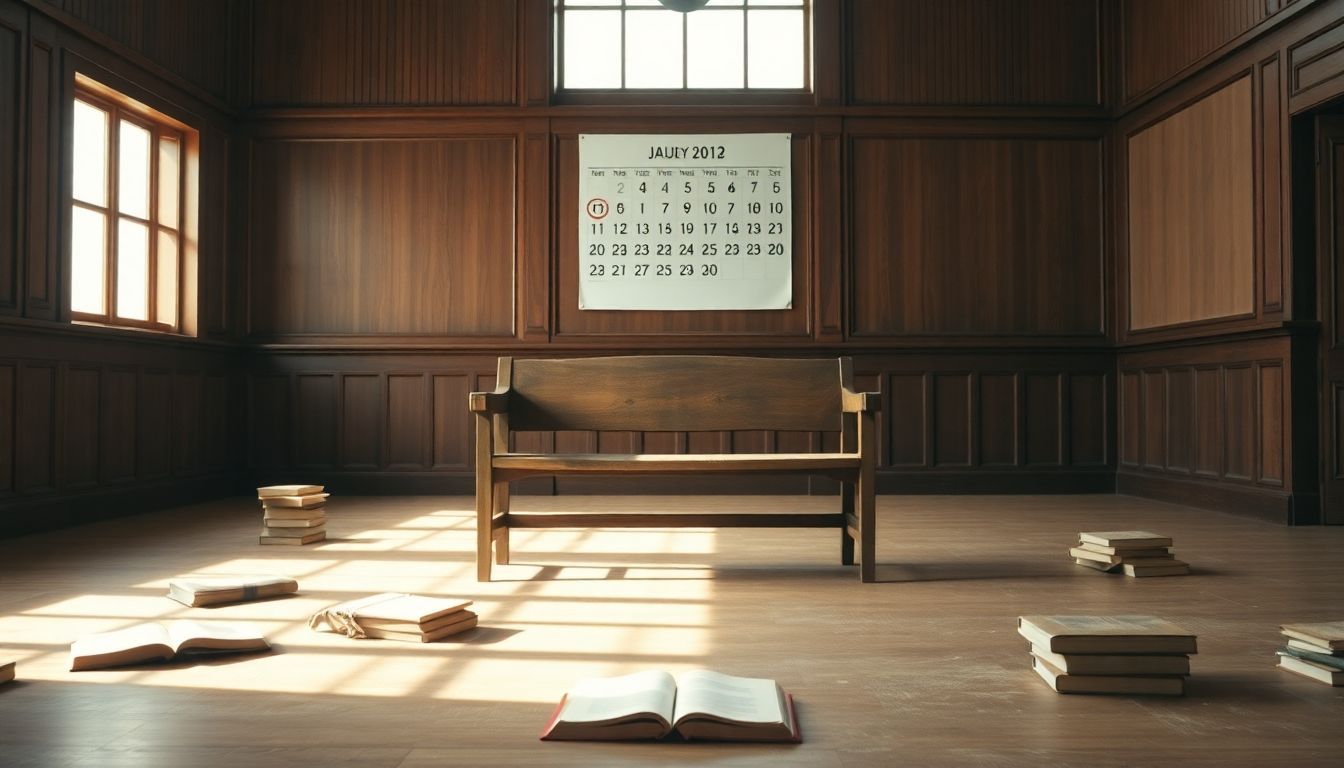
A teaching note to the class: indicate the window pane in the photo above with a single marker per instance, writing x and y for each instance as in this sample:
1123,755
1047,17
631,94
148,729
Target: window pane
714,50
653,49
166,311
90,160
132,270
774,49
88,239
774,2
169,153
592,49
133,170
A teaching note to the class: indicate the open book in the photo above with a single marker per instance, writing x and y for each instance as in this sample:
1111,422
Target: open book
161,641
699,704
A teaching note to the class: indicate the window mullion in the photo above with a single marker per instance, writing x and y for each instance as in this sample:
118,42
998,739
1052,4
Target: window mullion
113,212
152,250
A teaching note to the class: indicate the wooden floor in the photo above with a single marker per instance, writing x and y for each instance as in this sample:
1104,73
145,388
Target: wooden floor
923,668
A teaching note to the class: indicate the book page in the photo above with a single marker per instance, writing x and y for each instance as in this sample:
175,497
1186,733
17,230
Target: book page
612,698
741,699
214,635
117,641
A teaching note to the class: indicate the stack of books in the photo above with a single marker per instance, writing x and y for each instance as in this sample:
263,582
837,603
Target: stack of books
1314,650
1135,553
397,616
1109,654
293,514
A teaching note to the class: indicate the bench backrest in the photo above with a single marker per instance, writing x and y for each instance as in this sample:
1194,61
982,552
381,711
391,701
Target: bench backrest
675,393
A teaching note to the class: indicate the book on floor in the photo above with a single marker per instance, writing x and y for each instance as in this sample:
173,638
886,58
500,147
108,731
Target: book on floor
212,589
1312,653
698,704
1096,566
161,641
1145,552
1169,568
294,502
1323,634
1106,634
1062,682
271,491
7,669
293,522
396,616
1123,540
268,537
1312,669
1114,664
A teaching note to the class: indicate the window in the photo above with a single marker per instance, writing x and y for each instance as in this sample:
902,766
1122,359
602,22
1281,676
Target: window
639,44
129,211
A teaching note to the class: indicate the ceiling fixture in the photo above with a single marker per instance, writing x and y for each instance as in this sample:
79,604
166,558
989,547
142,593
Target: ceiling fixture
684,6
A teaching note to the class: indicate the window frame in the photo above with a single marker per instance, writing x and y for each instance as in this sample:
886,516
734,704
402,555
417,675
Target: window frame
119,107
744,95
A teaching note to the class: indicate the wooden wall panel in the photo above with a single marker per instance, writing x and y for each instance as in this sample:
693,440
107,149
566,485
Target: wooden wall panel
384,52
1239,417
1191,224
1089,435
952,419
7,428
79,418
42,175
1043,426
905,418
408,421
1271,163
1131,420
361,425
187,432
454,428
409,237
269,423
217,412
1180,418
1318,59
954,52
1271,424
154,443
998,407
975,236
35,428
1208,431
1160,38
117,428
1155,426
12,191
315,421
188,39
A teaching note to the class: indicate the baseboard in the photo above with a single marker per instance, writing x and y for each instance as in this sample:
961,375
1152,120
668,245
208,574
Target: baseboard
1008,482
24,514
1244,501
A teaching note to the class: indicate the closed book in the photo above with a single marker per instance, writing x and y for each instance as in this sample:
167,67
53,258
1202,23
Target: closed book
295,502
7,671
285,522
293,541
1303,645
291,532
1128,684
398,606
294,513
269,491
1128,552
1106,634
392,625
1096,566
1114,664
1325,659
1320,672
212,589
460,625
1174,568
1123,540
1079,553
1328,634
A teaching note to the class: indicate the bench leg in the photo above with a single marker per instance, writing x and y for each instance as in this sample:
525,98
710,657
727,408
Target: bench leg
846,510
502,534
484,528
866,502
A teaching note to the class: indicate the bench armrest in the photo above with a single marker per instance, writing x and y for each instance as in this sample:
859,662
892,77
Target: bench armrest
489,402
860,402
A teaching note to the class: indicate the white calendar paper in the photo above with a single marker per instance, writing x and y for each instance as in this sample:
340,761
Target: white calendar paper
685,222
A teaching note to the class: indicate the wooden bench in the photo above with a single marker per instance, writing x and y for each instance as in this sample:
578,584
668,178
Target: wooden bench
675,393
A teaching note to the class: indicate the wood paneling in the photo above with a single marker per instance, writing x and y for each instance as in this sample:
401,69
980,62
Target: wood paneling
408,421
1191,224
1089,435
7,428
954,52
79,417
1271,187
1043,426
315,421
1271,424
154,445
268,407
975,236
1317,59
906,423
187,432
952,419
998,433
188,39
1239,416
42,169
1155,424
383,237
35,428
1180,418
119,416
1208,431
1160,38
361,426
452,425
384,52
1131,419
12,190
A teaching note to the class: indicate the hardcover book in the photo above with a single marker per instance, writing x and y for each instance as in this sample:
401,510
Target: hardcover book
1106,634
161,641
209,589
